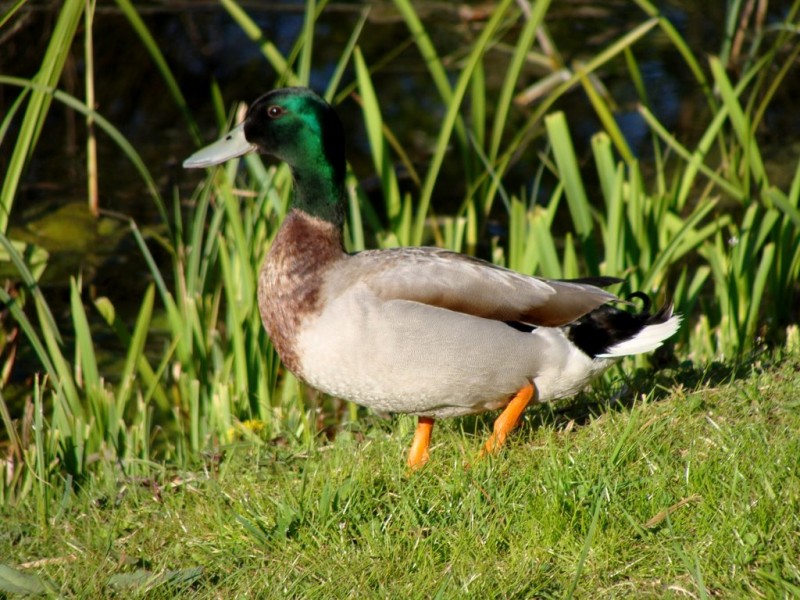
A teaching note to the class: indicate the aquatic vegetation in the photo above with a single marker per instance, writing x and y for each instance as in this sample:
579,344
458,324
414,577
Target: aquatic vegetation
708,216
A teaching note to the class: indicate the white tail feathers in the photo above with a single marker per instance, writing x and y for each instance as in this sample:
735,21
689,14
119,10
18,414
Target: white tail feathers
648,339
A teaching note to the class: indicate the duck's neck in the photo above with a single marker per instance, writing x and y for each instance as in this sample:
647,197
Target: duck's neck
319,192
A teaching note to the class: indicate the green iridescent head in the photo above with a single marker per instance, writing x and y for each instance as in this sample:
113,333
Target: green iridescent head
298,127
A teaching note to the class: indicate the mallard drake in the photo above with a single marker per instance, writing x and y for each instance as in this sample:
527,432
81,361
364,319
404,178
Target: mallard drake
422,331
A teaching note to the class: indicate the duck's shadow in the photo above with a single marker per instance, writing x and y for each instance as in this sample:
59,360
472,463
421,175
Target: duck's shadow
619,396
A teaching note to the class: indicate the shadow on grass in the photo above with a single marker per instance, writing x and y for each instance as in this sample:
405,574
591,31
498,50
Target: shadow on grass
655,385
668,378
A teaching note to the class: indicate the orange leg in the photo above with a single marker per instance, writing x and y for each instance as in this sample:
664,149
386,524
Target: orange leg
418,455
508,419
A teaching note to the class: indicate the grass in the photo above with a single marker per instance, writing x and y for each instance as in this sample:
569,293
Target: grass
690,490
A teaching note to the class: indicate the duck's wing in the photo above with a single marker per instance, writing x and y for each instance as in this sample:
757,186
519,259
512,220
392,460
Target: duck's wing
465,284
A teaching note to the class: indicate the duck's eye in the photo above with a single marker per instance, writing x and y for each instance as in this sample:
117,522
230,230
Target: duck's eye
274,111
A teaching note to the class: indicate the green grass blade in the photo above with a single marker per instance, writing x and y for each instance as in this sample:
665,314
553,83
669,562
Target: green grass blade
60,364
731,21
307,39
69,17
83,339
591,66
29,280
477,105
8,119
42,488
682,47
792,199
570,176
114,133
268,49
13,306
615,238
138,25
587,542
606,118
740,122
180,328
134,358
344,57
150,378
757,292
543,240
231,286
765,101
687,232
432,61
518,60
355,225
11,11
496,187
195,261
236,234
451,117
426,48
380,154
694,158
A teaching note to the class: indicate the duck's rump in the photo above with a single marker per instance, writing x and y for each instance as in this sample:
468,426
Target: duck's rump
408,357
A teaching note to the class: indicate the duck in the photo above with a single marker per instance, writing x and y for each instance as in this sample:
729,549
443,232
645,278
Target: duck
416,330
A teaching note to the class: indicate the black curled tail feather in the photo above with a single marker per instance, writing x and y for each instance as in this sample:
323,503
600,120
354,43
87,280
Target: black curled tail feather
605,327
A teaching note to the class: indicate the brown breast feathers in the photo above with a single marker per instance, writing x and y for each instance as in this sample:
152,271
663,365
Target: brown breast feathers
290,281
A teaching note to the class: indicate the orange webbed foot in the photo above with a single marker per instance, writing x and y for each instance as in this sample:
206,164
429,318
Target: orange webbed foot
418,455
508,419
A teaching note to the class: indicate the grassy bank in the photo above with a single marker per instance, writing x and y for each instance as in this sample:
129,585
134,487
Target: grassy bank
687,491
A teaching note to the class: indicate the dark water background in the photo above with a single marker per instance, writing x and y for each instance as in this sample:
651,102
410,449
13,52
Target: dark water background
202,43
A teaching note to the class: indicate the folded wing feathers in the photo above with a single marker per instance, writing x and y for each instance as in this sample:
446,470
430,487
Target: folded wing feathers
472,286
